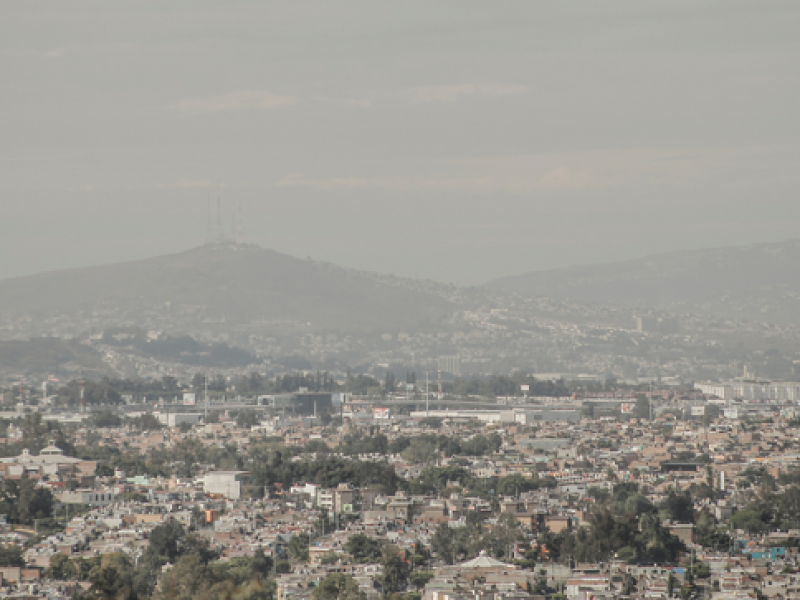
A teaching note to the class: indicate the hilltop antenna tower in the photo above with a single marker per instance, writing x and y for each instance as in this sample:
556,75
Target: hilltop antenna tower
220,234
233,223
239,235
209,226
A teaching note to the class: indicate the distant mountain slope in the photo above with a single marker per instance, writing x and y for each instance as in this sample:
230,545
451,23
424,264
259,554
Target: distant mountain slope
237,283
760,282
48,354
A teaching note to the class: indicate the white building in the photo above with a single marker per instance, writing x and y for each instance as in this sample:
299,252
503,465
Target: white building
225,483
90,497
325,499
720,390
175,419
753,391
308,489
450,364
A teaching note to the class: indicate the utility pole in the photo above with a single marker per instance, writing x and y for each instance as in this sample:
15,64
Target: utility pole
205,377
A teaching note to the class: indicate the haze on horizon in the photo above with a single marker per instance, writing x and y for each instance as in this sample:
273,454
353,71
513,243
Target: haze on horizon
459,141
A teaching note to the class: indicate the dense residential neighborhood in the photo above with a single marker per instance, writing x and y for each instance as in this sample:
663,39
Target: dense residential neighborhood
623,494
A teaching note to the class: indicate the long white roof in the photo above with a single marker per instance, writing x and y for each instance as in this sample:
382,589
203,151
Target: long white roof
483,561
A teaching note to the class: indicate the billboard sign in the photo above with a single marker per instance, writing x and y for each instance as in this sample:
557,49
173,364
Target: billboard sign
189,398
380,413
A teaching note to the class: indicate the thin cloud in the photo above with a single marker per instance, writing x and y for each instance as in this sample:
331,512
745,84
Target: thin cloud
185,184
451,93
238,100
550,173
299,180
56,52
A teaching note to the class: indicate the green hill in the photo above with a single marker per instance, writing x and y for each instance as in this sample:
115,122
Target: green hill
759,282
237,283
47,354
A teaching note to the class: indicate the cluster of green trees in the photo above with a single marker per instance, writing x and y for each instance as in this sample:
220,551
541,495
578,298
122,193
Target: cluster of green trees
625,525
399,572
189,351
771,510
110,390
256,384
195,573
23,502
270,469
421,448
36,434
11,556
424,448
453,545
338,586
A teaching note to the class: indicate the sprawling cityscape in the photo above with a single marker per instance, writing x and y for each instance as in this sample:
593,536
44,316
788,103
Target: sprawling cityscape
356,300
424,480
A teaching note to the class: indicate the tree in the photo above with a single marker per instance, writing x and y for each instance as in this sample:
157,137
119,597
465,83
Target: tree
298,547
23,502
504,534
261,564
246,419
420,578
11,556
113,578
147,422
751,520
189,579
338,586
443,543
364,548
106,418
61,568
198,546
642,409
420,453
164,540
678,506
329,558
395,570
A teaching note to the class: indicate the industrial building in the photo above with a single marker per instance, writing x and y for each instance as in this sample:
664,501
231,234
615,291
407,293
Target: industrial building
301,403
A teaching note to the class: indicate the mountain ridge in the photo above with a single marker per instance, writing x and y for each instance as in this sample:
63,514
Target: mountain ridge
228,281
757,282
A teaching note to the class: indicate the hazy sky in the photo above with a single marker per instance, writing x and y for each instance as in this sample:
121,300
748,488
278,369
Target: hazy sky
455,140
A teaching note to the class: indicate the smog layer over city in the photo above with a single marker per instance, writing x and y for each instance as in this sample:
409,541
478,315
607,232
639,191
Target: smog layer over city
358,300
